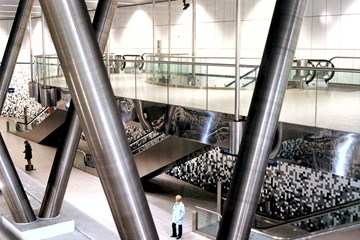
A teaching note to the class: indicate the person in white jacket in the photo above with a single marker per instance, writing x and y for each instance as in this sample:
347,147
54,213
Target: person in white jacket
178,213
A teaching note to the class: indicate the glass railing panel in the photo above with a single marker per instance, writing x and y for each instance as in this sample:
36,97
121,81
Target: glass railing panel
53,72
319,225
299,104
338,104
124,82
207,221
248,78
53,68
152,82
38,68
188,86
208,84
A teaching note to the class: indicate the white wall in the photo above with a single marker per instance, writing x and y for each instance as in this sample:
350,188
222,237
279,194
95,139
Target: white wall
5,29
329,29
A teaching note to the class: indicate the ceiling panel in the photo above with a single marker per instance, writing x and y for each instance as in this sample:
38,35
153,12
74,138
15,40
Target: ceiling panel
8,7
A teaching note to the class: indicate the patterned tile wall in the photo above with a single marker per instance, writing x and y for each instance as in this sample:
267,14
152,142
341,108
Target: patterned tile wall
288,191
17,100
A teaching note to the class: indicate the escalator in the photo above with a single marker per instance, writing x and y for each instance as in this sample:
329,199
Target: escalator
47,132
246,79
330,223
158,153
321,70
165,155
333,223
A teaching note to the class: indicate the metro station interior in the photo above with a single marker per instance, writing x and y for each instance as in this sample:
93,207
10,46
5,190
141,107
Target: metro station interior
249,109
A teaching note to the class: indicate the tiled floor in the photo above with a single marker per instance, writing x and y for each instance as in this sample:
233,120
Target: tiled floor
84,192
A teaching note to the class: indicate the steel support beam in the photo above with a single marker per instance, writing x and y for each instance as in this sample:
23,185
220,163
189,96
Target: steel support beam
62,165
13,46
69,141
262,120
80,57
104,16
14,192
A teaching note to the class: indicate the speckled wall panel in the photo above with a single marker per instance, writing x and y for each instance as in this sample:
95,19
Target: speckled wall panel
288,191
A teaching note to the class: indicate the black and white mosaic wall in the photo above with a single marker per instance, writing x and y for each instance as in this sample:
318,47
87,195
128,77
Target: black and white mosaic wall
292,190
18,96
289,190
206,170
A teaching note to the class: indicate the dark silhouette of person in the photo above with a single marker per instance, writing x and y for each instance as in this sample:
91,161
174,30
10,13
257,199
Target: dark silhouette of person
28,154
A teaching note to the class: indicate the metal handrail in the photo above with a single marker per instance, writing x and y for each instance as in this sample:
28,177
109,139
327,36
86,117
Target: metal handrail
143,144
209,211
316,213
32,120
312,235
344,57
307,217
355,70
243,76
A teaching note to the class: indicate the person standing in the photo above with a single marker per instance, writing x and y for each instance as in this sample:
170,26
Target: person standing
28,155
178,213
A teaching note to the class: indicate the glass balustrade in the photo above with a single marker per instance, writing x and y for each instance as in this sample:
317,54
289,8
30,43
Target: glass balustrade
206,222
324,223
316,95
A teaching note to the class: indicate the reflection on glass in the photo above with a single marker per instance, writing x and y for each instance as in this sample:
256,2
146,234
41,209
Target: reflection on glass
318,96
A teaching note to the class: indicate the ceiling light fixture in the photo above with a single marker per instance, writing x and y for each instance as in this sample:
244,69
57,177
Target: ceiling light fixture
186,5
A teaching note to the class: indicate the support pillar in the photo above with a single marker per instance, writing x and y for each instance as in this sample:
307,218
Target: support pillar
13,46
262,120
62,165
94,102
69,141
14,192
236,132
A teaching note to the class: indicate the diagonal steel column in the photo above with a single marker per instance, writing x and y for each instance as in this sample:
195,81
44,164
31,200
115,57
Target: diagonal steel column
94,101
14,193
69,141
13,46
104,15
13,190
262,119
62,165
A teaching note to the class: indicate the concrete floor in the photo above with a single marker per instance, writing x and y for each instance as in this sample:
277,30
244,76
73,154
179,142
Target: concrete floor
85,201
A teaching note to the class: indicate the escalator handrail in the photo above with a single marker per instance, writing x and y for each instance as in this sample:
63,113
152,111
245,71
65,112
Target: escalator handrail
37,115
344,57
138,139
243,76
315,214
157,136
136,56
310,61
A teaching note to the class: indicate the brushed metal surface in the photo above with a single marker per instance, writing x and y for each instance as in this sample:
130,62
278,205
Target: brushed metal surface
262,120
81,59
13,46
164,153
14,192
62,166
65,154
